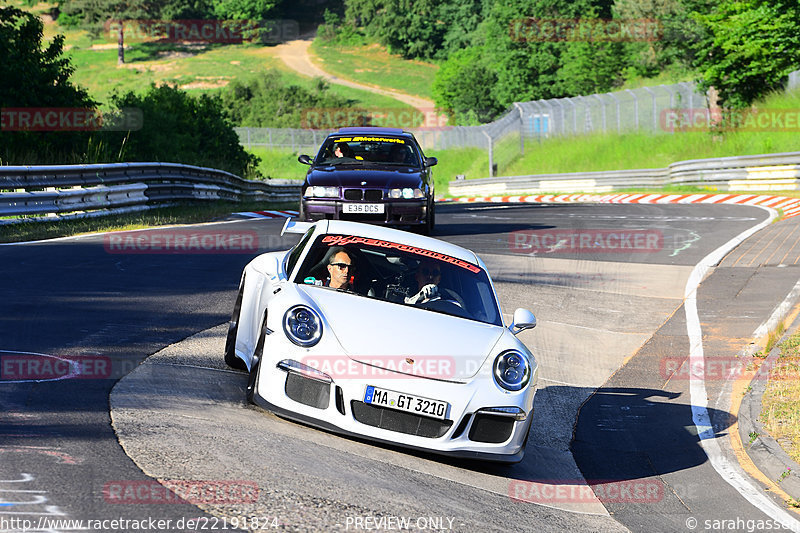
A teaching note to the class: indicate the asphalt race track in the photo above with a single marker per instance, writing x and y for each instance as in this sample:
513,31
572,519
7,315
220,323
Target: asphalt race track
616,442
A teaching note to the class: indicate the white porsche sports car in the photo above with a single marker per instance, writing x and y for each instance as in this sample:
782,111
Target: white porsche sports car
385,335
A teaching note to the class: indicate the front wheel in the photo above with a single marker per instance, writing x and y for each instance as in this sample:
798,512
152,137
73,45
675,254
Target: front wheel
251,382
430,218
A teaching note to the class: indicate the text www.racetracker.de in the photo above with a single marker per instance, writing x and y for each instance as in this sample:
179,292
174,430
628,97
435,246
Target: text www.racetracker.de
203,523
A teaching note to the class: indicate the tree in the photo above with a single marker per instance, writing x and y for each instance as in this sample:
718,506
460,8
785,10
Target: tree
96,16
463,88
245,9
34,74
674,46
424,29
751,47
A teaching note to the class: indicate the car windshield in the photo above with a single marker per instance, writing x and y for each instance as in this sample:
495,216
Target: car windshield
400,274
357,150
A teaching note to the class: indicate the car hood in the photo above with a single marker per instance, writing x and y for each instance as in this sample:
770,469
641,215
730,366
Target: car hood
374,177
387,335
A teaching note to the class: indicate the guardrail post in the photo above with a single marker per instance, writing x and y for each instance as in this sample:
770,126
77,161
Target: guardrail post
619,121
602,110
574,116
635,109
521,129
491,153
655,118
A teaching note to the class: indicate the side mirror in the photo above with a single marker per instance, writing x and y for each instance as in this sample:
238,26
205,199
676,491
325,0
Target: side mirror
523,319
306,160
430,161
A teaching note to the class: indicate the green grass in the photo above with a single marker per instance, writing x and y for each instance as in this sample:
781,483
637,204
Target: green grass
182,214
374,65
780,412
643,150
280,163
195,69
470,162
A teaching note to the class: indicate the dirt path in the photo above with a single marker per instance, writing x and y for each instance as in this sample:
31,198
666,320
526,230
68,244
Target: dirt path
297,57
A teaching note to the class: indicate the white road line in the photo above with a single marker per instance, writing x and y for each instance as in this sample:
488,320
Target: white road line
729,471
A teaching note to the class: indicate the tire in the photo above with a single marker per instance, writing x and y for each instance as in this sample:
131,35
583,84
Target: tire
255,367
430,219
250,392
233,328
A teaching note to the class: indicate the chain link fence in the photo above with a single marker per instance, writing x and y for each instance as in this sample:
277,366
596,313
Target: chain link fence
645,109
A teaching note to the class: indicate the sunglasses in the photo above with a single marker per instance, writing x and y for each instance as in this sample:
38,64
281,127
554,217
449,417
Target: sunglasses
342,266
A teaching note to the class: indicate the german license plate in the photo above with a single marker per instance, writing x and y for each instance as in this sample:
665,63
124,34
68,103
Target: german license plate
363,208
405,402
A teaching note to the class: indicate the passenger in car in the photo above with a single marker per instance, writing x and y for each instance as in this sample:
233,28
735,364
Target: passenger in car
400,154
427,276
342,149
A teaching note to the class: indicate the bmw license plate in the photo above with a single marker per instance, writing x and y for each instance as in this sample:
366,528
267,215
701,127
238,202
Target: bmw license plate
405,402
363,208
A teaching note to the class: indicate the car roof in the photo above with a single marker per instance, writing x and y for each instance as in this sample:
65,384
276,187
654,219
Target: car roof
371,130
346,227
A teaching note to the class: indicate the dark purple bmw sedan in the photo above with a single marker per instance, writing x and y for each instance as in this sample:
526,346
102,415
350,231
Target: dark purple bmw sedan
376,175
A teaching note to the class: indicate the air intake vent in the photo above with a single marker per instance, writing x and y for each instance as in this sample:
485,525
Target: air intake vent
408,423
311,392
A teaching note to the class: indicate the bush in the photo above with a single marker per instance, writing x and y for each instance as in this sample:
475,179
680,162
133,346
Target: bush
269,102
463,88
180,128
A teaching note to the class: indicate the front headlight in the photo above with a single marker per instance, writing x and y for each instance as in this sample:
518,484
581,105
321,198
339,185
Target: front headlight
512,370
407,193
318,191
302,325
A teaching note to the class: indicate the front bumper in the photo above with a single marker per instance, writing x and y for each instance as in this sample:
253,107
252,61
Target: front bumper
467,432
399,213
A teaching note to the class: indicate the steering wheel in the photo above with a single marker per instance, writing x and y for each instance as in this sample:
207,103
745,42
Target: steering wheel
438,298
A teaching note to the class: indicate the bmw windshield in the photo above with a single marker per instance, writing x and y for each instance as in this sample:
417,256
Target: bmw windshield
359,150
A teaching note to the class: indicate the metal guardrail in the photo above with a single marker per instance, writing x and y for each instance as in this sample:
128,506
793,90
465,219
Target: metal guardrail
768,172
55,189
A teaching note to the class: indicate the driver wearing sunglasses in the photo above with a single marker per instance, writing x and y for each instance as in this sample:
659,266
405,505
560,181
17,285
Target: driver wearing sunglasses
340,271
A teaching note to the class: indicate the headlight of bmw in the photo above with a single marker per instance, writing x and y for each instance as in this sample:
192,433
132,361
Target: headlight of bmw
406,193
318,191
512,370
302,325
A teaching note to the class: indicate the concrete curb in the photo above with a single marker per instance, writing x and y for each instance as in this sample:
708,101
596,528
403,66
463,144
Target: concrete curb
764,451
789,206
